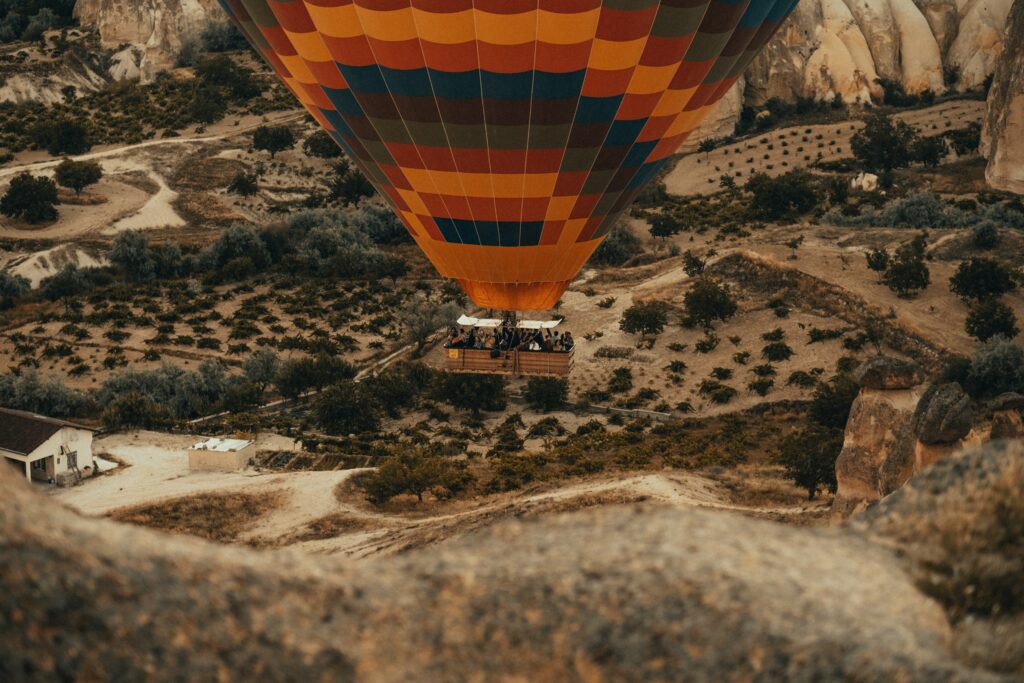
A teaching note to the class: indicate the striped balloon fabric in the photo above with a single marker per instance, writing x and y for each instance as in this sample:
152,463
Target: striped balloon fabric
509,135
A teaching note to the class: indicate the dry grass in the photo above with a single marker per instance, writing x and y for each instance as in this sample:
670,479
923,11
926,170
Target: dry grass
980,540
220,517
331,526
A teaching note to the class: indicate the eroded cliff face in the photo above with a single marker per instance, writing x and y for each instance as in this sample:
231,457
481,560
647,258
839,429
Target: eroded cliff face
837,48
1003,133
157,27
899,426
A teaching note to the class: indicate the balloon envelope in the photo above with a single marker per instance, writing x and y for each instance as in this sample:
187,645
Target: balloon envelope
509,135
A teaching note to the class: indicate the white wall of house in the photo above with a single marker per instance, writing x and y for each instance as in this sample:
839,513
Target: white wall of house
52,460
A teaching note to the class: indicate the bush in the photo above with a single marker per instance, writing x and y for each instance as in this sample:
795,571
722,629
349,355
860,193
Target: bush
996,368
991,318
29,391
776,351
244,184
61,136
546,393
12,288
135,411
183,393
985,235
618,247
761,386
716,392
471,392
131,254
621,381
785,197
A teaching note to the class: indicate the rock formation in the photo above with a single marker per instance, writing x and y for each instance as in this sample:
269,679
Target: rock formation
898,427
158,27
878,454
614,594
1003,132
837,48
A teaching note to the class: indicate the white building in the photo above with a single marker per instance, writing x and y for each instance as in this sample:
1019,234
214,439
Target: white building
46,449
221,454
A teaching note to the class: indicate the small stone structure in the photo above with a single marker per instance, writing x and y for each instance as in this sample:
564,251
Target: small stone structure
221,454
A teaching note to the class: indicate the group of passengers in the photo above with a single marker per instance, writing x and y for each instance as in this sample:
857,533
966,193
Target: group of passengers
507,338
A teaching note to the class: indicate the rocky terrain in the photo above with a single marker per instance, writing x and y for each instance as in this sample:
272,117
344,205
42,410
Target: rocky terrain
622,592
1003,133
159,27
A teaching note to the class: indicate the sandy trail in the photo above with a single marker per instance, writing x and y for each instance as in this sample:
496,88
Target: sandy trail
159,471
124,149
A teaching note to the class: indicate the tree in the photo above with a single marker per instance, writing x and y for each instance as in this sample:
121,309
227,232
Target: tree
320,144
809,458
130,253
136,411
348,185
208,106
77,175
471,392
647,317
422,317
618,247
61,136
883,144
346,409
415,473
832,401
928,151
273,139
707,146
295,377
907,272
261,368
980,279
787,196
31,198
69,282
996,368
546,393
708,301
991,318
244,184
878,260
12,288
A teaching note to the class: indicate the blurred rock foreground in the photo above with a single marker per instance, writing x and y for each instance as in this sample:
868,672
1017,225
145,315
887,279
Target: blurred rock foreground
925,586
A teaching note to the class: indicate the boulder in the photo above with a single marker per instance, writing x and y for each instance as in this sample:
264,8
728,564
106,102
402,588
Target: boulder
613,594
945,414
1010,400
886,372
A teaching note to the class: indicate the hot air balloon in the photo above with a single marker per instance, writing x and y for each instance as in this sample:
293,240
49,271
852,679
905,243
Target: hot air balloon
509,135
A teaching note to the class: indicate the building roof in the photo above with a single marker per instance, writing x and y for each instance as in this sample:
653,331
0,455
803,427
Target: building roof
221,445
22,432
